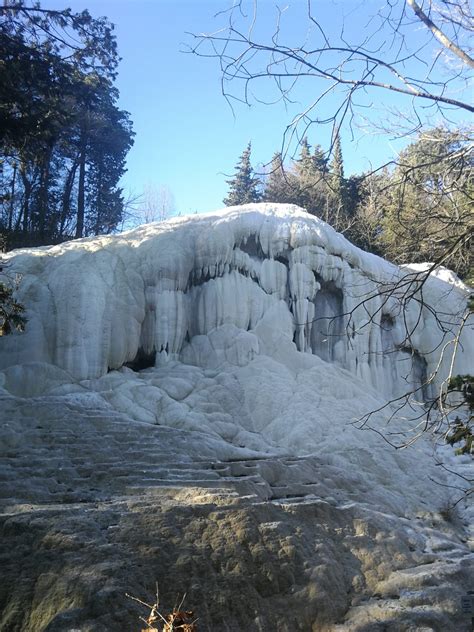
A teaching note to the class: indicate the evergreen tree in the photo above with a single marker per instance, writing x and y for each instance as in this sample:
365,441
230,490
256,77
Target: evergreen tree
305,163
63,141
368,198
319,159
244,185
337,203
303,177
428,214
311,179
336,168
12,313
280,186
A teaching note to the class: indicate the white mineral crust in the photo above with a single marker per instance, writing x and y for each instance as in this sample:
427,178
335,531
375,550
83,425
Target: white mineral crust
259,325
261,332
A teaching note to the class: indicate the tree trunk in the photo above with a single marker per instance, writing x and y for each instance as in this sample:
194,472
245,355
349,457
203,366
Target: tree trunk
81,190
12,199
26,199
43,195
98,211
66,203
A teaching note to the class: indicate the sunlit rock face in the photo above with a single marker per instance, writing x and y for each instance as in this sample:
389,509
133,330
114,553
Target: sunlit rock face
175,290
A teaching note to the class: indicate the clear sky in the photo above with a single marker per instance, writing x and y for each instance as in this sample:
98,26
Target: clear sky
187,137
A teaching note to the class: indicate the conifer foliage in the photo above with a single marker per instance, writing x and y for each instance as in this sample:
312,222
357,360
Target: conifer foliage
63,140
11,311
244,186
314,183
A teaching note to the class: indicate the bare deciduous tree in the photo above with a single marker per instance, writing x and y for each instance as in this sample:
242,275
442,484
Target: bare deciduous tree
416,53
155,204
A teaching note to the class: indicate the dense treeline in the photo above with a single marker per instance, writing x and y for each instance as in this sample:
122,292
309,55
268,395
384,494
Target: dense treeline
419,209
63,138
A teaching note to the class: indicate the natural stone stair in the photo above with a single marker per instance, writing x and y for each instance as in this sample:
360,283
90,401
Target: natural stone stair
105,456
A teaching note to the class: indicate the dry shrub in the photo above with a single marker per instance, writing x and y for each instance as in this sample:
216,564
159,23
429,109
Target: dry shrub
177,620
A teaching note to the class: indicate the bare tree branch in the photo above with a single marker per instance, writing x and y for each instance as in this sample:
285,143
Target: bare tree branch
440,36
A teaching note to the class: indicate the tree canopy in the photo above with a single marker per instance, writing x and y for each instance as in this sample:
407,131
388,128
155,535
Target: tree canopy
63,139
243,186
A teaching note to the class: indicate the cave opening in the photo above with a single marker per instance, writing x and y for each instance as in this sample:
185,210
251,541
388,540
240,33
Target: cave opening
142,361
252,247
328,324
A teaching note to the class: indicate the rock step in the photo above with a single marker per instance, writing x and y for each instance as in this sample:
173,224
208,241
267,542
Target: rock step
143,487
294,491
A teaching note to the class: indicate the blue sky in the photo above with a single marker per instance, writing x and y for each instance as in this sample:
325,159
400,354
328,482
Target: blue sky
187,137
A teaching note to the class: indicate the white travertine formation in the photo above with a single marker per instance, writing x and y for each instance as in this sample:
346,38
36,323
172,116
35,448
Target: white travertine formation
155,292
257,339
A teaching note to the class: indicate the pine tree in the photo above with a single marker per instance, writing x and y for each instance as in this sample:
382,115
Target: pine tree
280,185
310,189
319,159
336,169
305,163
244,185
12,312
336,209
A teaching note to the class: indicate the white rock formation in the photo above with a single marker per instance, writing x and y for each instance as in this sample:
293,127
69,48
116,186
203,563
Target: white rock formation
262,336
259,324
163,289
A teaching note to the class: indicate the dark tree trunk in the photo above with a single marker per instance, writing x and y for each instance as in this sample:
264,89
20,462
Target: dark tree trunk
43,196
66,202
12,199
26,199
98,216
81,191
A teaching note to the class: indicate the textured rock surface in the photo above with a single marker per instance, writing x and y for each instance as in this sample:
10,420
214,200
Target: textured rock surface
103,506
183,408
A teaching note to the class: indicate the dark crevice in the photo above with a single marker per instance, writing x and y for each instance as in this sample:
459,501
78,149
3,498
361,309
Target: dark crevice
319,278
253,248
195,281
328,324
142,361
417,375
284,259
386,325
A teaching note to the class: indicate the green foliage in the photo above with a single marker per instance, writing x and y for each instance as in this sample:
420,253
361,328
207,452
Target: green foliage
311,183
427,214
462,430
11,312
465,385
63,141
243,187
